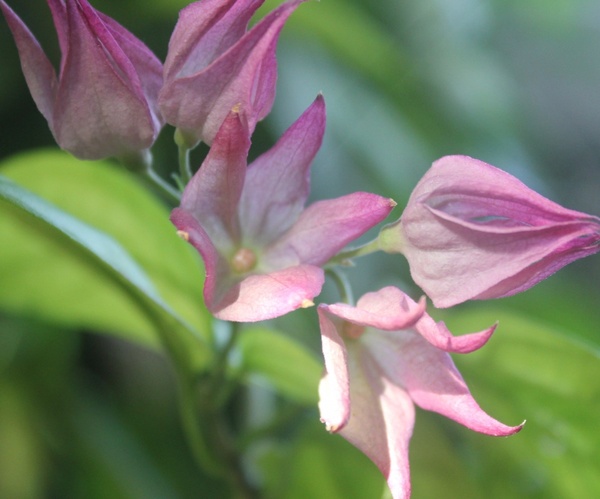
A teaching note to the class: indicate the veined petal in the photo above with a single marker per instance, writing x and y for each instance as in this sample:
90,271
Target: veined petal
278,182
471,231
213,193
147,66
204,30
325,227
101,109
438,335
431,379
37,69
259,297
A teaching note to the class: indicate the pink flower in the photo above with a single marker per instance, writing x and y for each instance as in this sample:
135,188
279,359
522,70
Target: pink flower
214,64
381,357
263,250
472,231
103,103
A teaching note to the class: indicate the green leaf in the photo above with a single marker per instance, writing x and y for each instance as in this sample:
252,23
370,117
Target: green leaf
119,227
533,371
288,366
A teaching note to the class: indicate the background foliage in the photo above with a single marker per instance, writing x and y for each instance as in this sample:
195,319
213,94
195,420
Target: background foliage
88,404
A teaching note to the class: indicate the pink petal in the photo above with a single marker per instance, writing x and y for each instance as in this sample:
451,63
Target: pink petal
259,297
244,75
381,421
373,414
471,231
431,379
438,335
325,227
278,182
388,309
37,69
212,195
204,30
101,109
334,388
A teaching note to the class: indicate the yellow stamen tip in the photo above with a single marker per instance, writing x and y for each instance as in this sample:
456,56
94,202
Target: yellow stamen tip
393,203
183,235
236,108
306,303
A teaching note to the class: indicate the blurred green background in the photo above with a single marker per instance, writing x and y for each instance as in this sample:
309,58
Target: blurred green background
514,83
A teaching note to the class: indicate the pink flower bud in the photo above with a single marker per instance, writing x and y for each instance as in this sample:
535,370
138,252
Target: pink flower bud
472,231
214,64
103,102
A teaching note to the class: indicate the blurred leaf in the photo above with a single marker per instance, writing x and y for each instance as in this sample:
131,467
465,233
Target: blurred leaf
286,364
49,276
533,371
325,466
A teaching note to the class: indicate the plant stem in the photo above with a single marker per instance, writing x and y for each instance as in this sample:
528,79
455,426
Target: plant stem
342,284
344,257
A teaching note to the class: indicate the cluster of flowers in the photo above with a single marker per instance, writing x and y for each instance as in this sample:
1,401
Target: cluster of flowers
469,230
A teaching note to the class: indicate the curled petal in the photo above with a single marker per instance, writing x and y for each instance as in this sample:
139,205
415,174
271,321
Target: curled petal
432,381
389,309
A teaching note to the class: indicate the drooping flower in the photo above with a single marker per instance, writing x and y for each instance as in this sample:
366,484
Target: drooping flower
263,250
383,356
213,64
104,101
472,231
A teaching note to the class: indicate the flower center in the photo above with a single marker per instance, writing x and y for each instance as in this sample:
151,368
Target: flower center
244,260
352,331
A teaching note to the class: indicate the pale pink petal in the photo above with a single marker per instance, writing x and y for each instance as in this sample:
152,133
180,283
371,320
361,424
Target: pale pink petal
381,420
431,379
259,297
37,69
278,182
213,193
389,309
334,388
325,227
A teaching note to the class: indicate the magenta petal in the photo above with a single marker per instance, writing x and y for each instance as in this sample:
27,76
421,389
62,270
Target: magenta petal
278,182
259,297
37,69
325,227
244,75
472,231
101,109
212,195
204,30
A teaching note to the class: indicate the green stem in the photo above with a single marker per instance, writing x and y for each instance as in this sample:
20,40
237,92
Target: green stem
165,188
185,144
344,257
342,284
